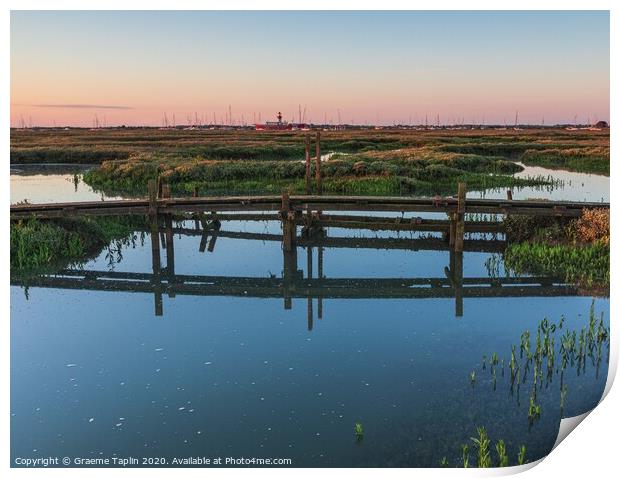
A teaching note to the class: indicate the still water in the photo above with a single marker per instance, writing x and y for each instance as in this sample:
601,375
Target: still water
217,365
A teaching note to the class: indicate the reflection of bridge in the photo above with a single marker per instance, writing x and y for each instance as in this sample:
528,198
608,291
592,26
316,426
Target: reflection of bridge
292,283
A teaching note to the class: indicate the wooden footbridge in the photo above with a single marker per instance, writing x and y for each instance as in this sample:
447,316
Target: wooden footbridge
311,211
314,214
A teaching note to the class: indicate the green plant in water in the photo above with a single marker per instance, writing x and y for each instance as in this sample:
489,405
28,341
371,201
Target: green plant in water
521,456
359,432
494,359
444,462
472,377
525,343
534,409
465,451
481,442
500,447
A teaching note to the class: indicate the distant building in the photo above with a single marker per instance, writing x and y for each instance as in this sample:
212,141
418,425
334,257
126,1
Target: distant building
602,124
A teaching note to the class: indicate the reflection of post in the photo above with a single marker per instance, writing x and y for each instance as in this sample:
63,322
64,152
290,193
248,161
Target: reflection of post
320,277
156,259
456,267
205,234
215,227
169,252
460,218
308,179
319,186
288,274
309,267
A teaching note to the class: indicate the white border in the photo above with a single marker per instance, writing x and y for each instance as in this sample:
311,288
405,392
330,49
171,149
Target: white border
591,450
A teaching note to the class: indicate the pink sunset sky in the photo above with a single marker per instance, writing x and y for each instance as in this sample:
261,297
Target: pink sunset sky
74,68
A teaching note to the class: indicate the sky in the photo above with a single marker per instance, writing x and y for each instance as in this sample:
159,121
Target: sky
128,67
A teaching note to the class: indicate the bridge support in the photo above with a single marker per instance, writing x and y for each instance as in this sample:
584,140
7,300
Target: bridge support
156,258
289,228
460,219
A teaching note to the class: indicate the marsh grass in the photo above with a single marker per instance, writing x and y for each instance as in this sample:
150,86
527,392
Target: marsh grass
576,349
371,161
43,246
574,250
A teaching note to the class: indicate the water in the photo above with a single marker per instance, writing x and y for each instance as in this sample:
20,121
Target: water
42,183
571,186
216,366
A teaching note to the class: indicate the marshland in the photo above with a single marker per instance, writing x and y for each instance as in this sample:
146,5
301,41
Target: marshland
377,379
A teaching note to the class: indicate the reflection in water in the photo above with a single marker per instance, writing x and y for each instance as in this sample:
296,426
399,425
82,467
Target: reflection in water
239,365
230,371
292,283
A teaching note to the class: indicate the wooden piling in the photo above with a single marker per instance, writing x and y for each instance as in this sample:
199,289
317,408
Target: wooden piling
460,218
155,255
288,224
319,185
452,231
152,188
159,186
308,178
509,195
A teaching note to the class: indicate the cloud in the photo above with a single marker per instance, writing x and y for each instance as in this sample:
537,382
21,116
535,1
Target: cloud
81,106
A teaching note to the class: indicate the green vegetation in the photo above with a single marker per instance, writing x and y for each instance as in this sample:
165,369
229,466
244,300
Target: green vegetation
481,443
587,265
482,446
546,361
46,245
343,174
576,349
585,160
364,161
359,432
576,251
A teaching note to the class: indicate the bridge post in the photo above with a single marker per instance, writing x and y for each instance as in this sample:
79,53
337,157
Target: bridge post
169,238
308,179
288,224
156,259
460,218
319,185
452,232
